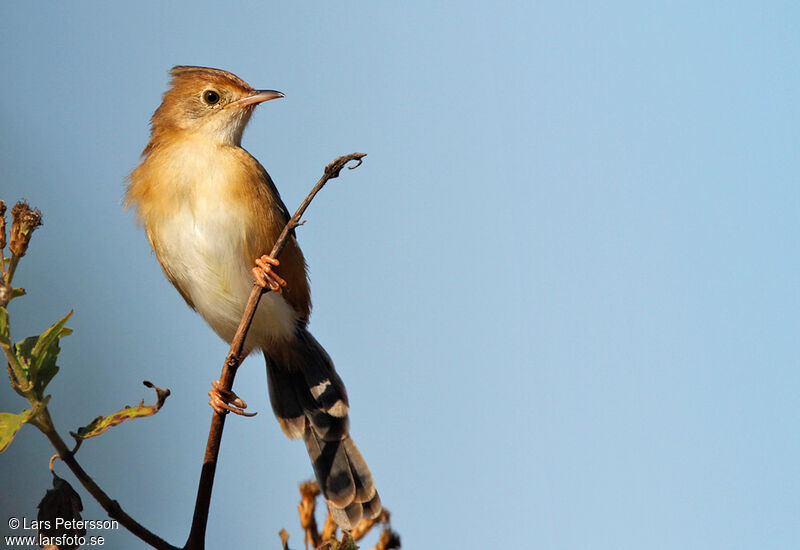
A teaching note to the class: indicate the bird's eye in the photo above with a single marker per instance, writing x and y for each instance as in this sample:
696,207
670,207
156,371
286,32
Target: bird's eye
211,97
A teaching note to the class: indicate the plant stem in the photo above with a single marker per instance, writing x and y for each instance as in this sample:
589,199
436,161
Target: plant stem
44,422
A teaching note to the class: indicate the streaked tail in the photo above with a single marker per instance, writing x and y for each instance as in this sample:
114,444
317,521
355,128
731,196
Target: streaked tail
310,401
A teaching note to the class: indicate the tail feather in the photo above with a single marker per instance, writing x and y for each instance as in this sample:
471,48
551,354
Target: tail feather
372,508
332,467
349,515
362,477
326,387
309,400
284,399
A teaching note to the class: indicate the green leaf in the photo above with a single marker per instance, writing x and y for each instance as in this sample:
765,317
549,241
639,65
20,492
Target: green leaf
44,344
37,355
102,423
23,352
47,368
17,292
10,425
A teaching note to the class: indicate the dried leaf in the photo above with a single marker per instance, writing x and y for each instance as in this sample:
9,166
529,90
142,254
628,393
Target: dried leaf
102,423
59,517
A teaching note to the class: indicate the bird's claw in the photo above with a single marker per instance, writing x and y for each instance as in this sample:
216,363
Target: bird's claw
225,401
265,274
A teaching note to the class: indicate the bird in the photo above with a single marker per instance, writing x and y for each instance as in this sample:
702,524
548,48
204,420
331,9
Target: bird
212,213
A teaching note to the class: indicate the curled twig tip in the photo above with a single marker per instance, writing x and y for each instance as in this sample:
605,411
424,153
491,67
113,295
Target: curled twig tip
359,158
333,169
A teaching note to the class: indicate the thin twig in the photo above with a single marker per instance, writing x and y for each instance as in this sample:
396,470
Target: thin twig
196,540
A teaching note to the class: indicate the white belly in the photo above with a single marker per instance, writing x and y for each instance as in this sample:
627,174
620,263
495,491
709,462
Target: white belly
202,249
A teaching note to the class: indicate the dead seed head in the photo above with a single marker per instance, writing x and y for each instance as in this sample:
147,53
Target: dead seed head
24,220
309,489
389,540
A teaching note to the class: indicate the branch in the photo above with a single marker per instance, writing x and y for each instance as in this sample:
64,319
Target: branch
45,423
196,540
31,367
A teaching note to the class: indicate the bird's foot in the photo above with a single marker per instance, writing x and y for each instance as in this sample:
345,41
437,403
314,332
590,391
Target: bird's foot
224,401
265,274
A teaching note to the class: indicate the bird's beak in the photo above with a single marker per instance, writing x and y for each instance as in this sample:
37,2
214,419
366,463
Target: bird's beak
258,96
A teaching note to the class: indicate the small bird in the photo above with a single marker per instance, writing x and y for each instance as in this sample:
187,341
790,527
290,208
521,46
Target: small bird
211,214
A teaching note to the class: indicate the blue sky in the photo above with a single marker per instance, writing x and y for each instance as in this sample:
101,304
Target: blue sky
562,289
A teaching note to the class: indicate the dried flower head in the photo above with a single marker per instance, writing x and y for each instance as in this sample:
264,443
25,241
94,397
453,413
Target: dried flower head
389,540
24,220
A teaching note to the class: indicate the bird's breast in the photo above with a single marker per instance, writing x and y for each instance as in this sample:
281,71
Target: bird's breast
203,240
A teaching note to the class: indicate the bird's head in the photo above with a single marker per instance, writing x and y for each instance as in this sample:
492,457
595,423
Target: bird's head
209,103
